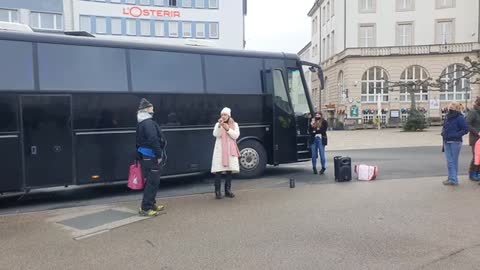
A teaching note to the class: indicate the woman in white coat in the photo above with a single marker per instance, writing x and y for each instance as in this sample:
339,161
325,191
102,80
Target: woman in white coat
225,154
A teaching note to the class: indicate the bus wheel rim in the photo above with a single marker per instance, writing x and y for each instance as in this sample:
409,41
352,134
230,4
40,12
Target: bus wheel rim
249,158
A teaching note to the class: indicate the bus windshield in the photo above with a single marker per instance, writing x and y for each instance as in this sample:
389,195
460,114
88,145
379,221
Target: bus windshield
298,93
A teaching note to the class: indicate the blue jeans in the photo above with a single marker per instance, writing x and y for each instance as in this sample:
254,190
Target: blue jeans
318,147
452,151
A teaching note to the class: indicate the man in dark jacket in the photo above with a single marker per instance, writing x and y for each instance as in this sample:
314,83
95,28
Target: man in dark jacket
473,120
151,151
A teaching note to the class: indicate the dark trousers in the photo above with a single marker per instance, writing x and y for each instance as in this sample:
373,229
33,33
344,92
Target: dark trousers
151,172
228,180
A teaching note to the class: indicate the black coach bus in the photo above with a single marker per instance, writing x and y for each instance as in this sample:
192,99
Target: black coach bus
68,107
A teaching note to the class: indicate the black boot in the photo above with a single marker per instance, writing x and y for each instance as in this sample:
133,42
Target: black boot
218,182
315,170
228,187
322,171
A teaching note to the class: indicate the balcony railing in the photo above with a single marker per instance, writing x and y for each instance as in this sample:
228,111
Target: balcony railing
404,50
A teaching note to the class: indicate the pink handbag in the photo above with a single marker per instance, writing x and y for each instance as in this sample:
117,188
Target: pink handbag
135,177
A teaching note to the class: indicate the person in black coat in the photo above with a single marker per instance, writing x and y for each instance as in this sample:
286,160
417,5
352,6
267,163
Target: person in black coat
318,138
151,152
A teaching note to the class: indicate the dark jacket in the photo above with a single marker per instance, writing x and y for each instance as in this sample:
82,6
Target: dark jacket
473,121
454,128
149,135
313,131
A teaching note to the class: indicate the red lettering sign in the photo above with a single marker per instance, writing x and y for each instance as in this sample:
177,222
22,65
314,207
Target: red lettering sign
137,12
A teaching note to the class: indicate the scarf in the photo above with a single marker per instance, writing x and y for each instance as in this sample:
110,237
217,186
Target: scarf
142,116
229,145
451,115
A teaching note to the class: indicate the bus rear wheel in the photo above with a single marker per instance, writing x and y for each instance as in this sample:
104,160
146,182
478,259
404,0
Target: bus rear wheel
253,159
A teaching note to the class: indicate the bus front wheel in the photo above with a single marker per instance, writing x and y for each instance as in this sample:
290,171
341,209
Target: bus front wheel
253,159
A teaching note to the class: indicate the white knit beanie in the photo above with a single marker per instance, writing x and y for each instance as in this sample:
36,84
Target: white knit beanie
226,111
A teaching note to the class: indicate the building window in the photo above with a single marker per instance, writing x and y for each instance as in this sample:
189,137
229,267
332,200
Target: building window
116,1
213,29
327,50
172,3
7,15
187,3
368,118
145,2
366,35
374,85
405,34
200,28
367,6
324,15
145,28
314,25
328,11
85,24
116,26
445,31
332,47
324,56
213,4
200,3
159,29
405,5
187,29
159,2
101,25
454,86
333,8
341,87
131,27
133,2
445,3
413,74
173,29
48,21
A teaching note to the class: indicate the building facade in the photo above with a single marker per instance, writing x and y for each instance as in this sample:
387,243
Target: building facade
365,45
45,15
215,23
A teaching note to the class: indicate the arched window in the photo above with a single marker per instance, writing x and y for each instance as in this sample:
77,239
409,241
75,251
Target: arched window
341,88
374,85
413,74
454,86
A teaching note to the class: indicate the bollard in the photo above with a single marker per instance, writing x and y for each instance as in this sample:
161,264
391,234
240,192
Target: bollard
292,183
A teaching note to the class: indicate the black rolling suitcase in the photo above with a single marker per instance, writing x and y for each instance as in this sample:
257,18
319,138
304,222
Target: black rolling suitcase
343,169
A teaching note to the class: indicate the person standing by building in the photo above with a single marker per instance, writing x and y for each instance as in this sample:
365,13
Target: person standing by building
318,138
225,153
454,129
151,151
473,121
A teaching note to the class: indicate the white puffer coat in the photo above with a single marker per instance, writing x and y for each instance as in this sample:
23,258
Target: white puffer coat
217,165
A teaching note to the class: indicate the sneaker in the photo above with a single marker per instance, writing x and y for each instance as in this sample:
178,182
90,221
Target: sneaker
159,207
449,183
149,213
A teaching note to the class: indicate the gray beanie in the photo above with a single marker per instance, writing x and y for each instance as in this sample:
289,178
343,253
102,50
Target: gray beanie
144,104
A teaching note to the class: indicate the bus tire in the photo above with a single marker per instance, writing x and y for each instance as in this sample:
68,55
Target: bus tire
253,159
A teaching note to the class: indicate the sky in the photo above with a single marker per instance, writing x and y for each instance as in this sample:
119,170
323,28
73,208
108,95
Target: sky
278,25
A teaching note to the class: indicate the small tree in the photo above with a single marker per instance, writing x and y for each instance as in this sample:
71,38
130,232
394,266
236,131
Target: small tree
416,120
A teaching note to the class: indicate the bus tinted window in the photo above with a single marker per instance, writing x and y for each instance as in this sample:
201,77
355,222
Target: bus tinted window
104,111
16,65
233,75
81,68
8,113
154,71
